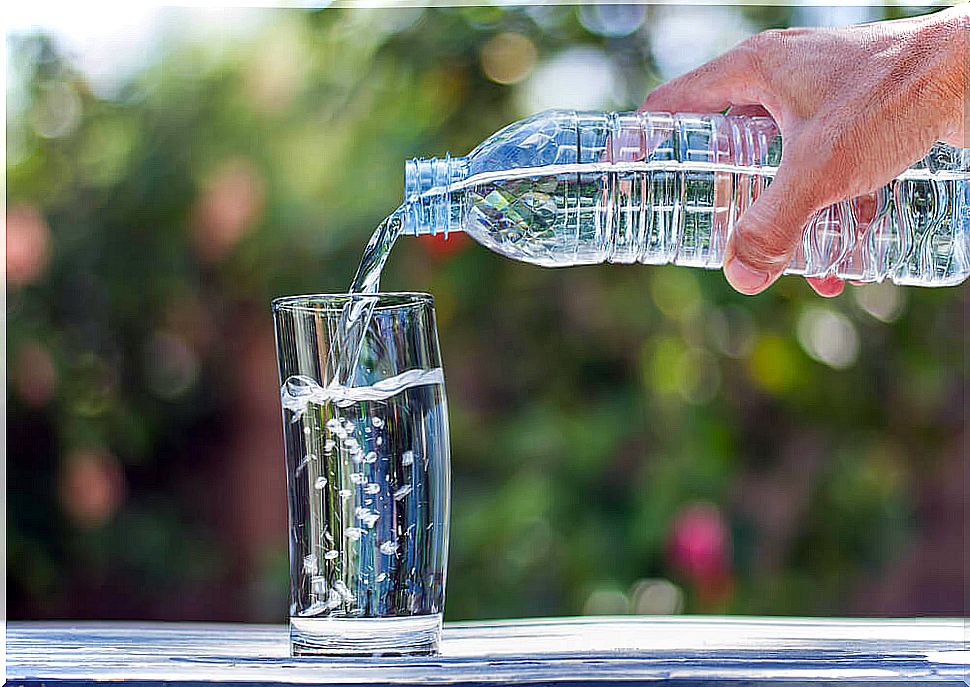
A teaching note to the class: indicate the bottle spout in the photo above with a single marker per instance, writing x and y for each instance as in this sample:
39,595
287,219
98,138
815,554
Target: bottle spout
430,195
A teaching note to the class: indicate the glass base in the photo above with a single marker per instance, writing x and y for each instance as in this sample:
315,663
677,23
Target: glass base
416,635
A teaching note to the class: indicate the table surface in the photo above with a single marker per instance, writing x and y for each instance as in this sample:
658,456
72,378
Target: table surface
695,650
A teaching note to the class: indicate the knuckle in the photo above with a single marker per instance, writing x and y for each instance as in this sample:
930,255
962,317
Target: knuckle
767,43
758,54
765,243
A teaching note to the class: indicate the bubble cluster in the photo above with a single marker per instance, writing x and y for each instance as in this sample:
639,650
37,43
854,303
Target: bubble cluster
310,564
355,455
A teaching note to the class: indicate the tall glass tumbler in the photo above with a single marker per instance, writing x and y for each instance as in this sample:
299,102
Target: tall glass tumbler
368,474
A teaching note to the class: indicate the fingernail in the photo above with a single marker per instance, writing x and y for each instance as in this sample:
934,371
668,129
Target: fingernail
745,279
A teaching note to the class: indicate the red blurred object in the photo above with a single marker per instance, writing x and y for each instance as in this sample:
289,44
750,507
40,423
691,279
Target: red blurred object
92,487
699,548
229,207
441,248
33,375
28,245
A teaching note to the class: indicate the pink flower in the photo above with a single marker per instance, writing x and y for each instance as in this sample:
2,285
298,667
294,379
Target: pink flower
28,245
33,375
699,548
92,487
441,248
230,205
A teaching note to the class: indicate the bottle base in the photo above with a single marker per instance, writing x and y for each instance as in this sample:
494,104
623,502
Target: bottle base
417,635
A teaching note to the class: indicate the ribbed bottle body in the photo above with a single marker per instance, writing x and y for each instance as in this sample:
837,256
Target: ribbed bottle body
568,188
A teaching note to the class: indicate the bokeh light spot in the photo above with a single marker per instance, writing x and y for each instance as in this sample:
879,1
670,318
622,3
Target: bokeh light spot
581,78
676,293
171,366
885,301
699,544
606,600
699,376
28,245
612,21
92,487
660,359
230,205
828,337
57,111
682,38
508,58
656,597
773,364
34,376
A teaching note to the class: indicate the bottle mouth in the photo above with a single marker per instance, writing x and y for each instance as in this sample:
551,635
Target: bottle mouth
428,184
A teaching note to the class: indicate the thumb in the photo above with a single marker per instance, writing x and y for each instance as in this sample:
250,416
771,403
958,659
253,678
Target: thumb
764,239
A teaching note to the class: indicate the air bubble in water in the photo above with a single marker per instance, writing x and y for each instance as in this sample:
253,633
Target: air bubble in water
320,482
333,424
329,445
377,422
353,533
311,456
306,430
314,608
366,516
344,493
371,457
357,477
310,564
402,492
303,464
331,554
341,589
378,441
372,488
389,547
333,599
381,577
407,458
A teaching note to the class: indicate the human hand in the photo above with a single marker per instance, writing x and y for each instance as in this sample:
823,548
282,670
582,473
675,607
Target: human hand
855,106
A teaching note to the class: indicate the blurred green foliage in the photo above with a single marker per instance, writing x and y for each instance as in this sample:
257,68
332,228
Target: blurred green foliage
621,435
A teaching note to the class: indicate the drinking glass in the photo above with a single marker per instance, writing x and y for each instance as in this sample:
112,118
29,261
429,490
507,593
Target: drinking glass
368,473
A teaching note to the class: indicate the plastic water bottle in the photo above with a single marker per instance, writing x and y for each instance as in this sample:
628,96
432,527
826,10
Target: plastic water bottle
569,188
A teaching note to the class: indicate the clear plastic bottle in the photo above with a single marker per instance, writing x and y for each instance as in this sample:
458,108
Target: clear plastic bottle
568,188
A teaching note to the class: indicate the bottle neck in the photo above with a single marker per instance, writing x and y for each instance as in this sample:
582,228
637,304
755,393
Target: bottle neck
430,195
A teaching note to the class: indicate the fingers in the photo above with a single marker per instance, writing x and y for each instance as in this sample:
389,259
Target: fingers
730,79
749,111
762,244
828,287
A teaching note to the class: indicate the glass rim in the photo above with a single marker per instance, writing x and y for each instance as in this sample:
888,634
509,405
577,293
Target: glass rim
334,302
